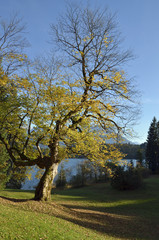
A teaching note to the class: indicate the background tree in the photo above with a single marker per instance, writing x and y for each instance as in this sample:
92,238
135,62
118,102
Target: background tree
12,44
16,175
152,147
10,175
61,180
91,92
3,167
139,157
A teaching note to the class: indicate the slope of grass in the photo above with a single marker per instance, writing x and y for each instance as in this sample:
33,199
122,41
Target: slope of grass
94,212
19,224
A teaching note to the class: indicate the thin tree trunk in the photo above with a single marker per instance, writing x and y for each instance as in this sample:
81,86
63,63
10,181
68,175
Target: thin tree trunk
43,190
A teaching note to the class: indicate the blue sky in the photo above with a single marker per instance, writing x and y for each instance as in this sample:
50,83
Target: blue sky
139,23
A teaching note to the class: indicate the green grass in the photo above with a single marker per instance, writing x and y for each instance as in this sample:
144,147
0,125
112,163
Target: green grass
94,212
18,224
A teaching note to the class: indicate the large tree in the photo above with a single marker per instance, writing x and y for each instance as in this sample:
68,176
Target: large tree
67,107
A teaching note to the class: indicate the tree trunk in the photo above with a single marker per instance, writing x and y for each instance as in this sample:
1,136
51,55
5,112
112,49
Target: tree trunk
43,190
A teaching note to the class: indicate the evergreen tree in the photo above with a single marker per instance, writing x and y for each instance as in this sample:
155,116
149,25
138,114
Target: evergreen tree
152,148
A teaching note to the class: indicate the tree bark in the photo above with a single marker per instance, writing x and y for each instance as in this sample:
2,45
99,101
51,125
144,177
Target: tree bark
43,190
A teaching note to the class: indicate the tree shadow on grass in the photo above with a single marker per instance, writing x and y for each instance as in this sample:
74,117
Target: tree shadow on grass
131,207
128,214
15,199
125,215
113,224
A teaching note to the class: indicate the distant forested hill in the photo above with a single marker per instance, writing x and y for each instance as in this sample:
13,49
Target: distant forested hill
132,151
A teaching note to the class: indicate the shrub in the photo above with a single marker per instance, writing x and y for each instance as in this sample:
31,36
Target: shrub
145,172
126,179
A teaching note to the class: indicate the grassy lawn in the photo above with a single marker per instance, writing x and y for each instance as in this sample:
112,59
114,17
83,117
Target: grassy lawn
94,212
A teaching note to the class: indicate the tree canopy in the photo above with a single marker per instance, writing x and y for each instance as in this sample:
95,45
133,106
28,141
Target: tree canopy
55,108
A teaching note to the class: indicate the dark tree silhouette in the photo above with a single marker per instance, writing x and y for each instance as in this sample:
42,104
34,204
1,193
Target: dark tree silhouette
152,148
